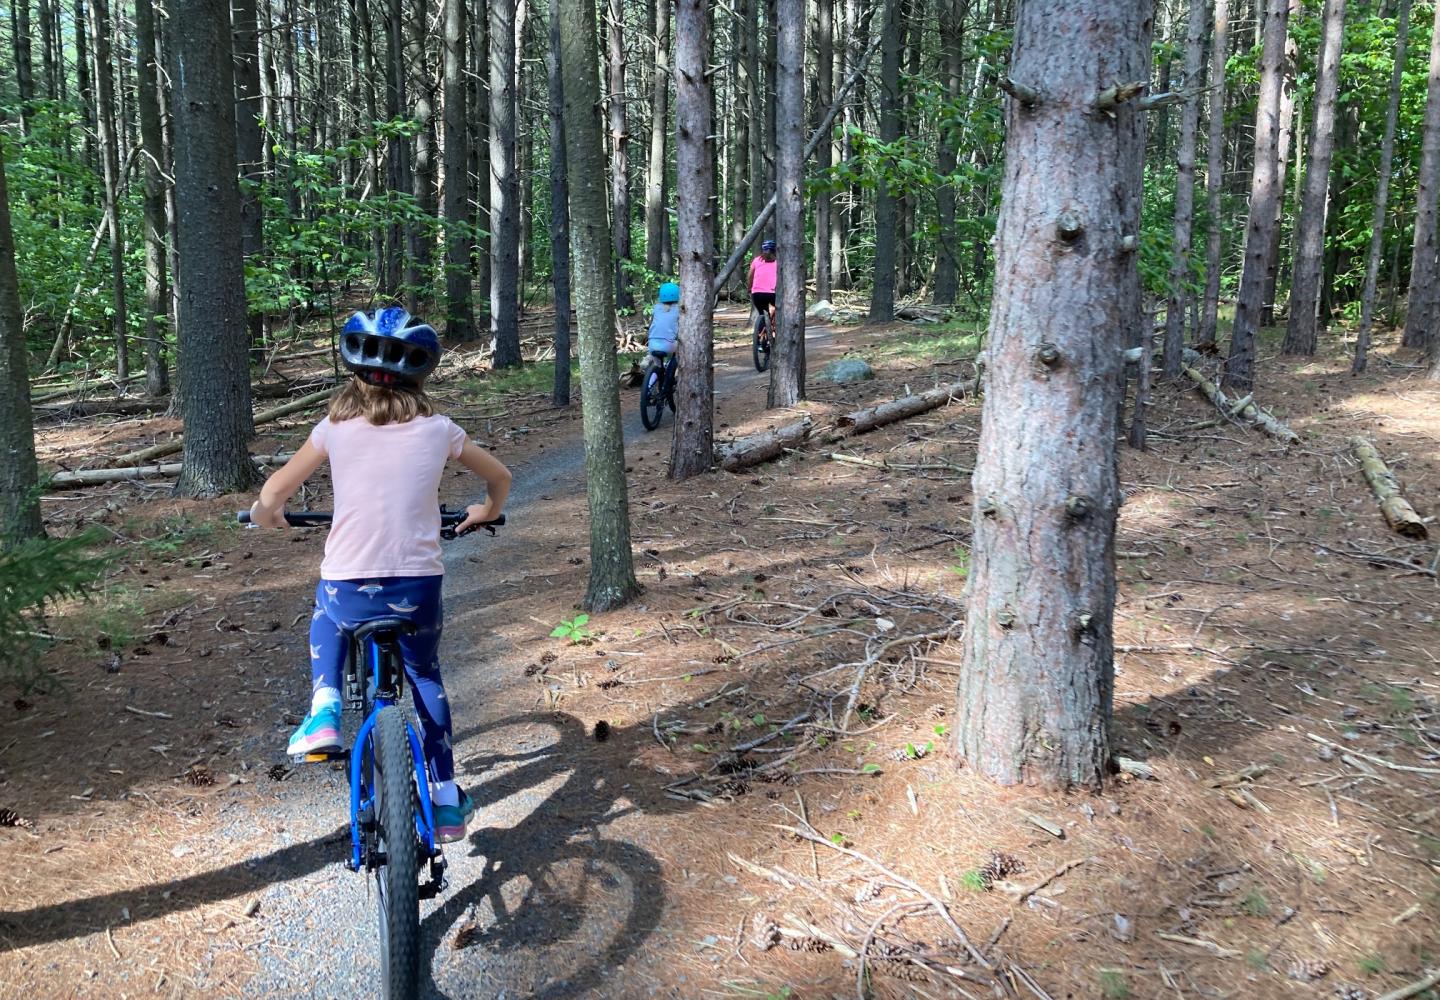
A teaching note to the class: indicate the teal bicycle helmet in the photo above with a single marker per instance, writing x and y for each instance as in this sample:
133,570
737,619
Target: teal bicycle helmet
669,292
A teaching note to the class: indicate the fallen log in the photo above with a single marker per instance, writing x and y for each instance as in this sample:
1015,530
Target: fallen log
67,408
1397,510
1249,412
99,477
756,448
171,447
865,420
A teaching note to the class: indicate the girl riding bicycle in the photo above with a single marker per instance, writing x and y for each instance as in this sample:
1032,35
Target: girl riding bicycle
387,448
764,270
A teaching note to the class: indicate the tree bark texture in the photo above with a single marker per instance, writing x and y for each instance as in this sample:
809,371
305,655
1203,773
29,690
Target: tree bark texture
24,62
612,572
459,310
1382,193
1215,173
1264,195
1035,694
1301,333
947,268
504,189
692,448
214,373
157,293
619,149
882,292
422,176
19,500
1184,195
559,217
249,144
787,369
397,178
480,146
110,171
824,95
742,116
1287,138
1424,274
655,227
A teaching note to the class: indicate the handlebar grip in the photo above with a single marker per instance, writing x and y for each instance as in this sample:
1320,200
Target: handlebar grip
242,516
296,519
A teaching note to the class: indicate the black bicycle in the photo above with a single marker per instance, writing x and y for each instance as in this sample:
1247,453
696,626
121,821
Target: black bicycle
764,341
657,390
392,822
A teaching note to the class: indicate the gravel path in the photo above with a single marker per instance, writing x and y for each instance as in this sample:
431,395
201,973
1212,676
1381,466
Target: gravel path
554,891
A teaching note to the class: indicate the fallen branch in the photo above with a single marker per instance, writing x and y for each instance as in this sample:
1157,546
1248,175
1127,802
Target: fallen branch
98,477
1371,758
1018,894
67,408
1413,989
756,448
1209,946
1250,413
265,417
1397,510
865,420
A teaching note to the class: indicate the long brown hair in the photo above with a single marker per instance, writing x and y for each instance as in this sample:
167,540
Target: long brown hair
380,404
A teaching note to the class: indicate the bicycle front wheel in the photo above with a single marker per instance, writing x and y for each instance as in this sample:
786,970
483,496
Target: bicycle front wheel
652,396
398,876
761,347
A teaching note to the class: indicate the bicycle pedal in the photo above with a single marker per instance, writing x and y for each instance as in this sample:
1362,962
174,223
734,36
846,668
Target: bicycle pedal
320,757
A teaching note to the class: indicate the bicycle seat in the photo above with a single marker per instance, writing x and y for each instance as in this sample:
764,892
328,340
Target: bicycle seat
383,630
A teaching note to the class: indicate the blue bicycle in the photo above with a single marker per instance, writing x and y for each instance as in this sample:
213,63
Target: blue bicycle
392,823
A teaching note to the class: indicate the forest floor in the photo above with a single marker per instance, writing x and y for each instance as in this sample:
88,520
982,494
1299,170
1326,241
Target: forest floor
1278,668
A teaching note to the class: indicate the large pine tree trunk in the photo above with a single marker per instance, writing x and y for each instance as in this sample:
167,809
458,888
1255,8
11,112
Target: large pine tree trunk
249,146
947,268
1382,193
559,217
619,149
48,48
1301,334
397,178
659,113
1184,193
692,448
83,82
24,65
612,572
157,377
110,171
459,313
787,372
422,178
19,501
1424,275
480,145
1240,365
824,96
882,293
742,45
1215,173
1036,688
1287,138
214,374
504,189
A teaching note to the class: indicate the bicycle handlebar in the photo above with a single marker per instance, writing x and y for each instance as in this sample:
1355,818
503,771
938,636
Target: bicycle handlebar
449,519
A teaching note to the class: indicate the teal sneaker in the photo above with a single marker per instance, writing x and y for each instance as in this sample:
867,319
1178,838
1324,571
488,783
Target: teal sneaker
451,821
319,733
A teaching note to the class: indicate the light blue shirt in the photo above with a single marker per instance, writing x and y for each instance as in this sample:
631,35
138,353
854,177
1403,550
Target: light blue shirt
664,327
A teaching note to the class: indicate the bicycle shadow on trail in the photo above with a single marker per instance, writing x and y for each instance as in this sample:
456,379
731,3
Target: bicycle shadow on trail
552,886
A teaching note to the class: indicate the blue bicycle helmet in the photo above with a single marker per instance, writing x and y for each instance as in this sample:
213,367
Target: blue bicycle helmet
767,247
669,292
389,347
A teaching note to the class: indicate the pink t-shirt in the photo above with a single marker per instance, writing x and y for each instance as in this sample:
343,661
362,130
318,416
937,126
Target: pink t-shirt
387,495
762,275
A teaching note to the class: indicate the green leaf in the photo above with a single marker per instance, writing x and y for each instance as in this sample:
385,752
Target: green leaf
560,631
580,620
870,769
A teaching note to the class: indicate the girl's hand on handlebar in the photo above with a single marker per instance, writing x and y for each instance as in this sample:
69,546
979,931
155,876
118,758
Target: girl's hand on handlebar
267,517
476,514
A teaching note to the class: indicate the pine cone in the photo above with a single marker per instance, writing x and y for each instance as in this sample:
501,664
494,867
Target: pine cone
1347,992
9,817
806,944
1307,970
897,968
869,891
764,933
1002,865
200,776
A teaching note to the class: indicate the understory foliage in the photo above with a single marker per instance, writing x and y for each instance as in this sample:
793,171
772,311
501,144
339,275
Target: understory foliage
36,574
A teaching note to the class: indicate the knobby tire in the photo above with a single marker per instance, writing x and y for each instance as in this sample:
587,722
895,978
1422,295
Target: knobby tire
652,396
399,878
759,348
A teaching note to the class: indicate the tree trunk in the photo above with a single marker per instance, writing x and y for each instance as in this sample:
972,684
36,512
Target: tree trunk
19,498
1184,195
1287,138
787,373
504,189
157,293
459,312
422,178
1420,314
249,144
1215,173
214,373
1035,692
49,34
952,34
693,446
524,155
882,293
1240,365
655,168
743,117
83,82
110,171
1382,193
1301,334
619,150
559,218
612,573
398,163
24,67
480,147
824,96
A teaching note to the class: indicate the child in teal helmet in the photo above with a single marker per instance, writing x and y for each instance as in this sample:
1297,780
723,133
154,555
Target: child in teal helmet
665,320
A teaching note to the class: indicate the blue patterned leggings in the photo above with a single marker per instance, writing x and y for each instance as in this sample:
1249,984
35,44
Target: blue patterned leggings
342,605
